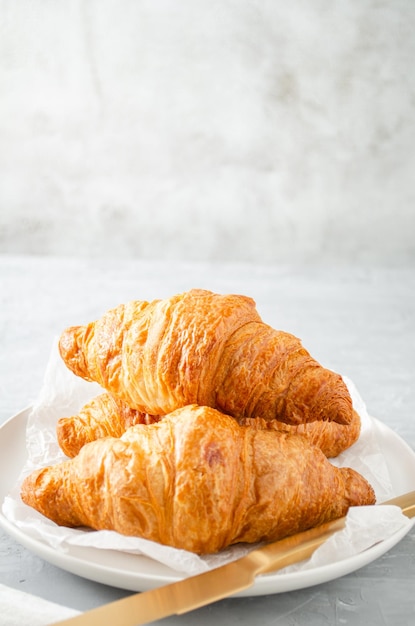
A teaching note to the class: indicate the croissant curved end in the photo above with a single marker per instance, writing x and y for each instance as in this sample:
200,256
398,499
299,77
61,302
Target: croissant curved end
70,348
358,490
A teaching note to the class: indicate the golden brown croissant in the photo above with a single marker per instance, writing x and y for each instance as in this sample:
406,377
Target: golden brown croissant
332,438
198,481
106,416
103,416
207,349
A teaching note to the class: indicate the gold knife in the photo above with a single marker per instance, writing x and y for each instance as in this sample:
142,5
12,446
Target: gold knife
196,591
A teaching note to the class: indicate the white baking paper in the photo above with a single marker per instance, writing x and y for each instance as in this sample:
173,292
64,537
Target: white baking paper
63,394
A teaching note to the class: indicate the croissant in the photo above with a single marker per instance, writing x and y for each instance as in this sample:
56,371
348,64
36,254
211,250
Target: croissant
208,349
198,481
105,416
332,438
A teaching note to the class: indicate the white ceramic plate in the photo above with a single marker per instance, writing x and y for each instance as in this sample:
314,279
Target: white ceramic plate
139,573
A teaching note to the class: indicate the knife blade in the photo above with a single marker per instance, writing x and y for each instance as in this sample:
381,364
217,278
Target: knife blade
197,591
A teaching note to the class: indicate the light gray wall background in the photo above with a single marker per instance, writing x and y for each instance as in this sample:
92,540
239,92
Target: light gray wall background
265,131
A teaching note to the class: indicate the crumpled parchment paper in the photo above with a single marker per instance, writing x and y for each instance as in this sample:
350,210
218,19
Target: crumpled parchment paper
63,394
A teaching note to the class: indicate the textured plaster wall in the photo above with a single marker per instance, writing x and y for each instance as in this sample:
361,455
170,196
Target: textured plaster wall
264,131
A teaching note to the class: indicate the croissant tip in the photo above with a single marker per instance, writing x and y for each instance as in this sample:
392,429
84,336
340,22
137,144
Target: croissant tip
358,490
68,341
28,487
344,418
69,442
70,348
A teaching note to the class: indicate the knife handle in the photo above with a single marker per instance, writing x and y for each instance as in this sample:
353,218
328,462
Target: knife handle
293,549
